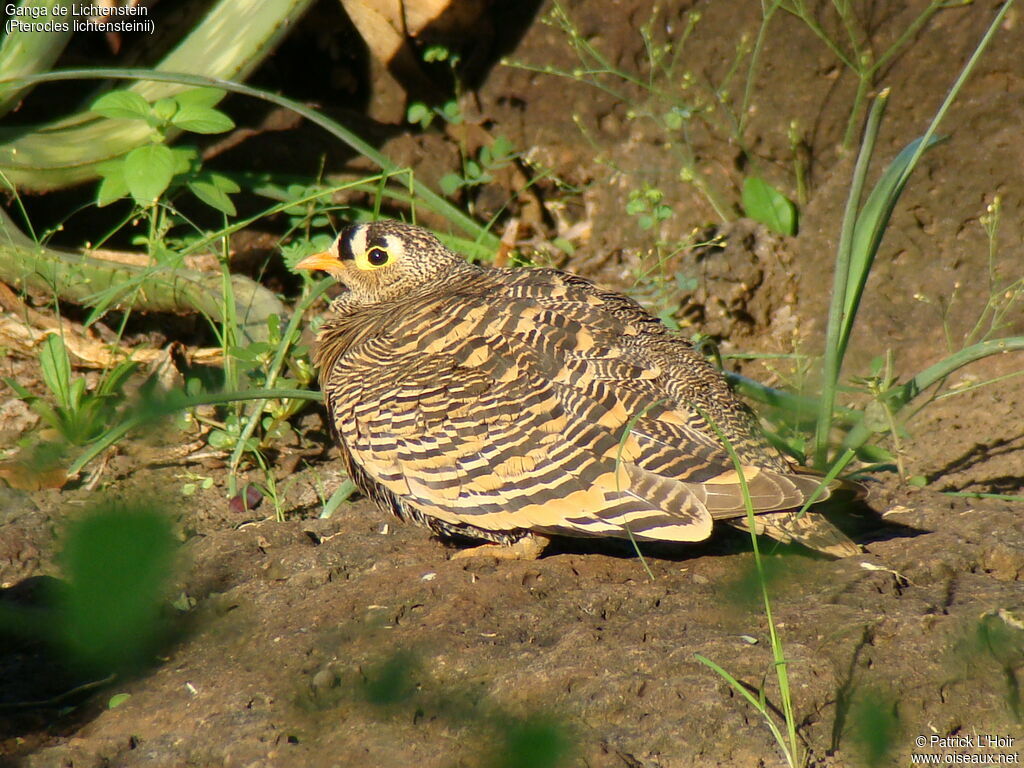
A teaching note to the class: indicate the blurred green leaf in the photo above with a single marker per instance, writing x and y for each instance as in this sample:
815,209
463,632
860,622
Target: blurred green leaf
870,226
534,743
117,560
450,183
113,186
391,682
875,727
419,114
184,158
219,439
165,109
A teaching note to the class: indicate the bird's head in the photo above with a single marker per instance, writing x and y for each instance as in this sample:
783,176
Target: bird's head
384,260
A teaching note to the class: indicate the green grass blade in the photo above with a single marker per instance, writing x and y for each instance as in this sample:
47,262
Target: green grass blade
870,228
341,494
834,352
850,277
789,745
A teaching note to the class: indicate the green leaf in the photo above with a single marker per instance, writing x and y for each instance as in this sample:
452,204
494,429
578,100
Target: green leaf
164,109
148,171
450,183
763,203
501,148
184,158
19,390
219,440
200,97
213,196
419,114
123,105
76,394
673,120
118,699
224,184
200,119
117,561
116,378
436,53
451,112
875,417
56,369
872,221
564,245
113,186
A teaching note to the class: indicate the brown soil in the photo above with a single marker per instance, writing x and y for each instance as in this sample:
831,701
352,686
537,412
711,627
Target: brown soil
297,626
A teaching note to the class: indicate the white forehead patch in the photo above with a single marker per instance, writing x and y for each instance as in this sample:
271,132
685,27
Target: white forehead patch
357,240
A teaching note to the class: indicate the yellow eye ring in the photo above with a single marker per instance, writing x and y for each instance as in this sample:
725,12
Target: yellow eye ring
377,257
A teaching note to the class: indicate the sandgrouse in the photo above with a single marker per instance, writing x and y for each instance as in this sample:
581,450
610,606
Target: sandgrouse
498,403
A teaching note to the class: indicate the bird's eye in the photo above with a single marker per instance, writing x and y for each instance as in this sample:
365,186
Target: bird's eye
377,257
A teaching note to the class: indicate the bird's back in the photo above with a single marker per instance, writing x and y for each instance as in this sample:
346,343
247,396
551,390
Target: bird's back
514,400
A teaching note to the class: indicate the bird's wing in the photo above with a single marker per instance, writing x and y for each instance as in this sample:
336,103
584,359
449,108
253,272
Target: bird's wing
508,415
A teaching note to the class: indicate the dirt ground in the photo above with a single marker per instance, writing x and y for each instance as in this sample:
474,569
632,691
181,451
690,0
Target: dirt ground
357,641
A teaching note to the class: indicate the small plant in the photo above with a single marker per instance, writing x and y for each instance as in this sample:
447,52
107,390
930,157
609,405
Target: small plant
647,205
148,172
480,170
194,482
421,114
863,228
77,414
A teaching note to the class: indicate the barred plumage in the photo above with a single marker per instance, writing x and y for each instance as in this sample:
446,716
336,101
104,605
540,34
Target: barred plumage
492,403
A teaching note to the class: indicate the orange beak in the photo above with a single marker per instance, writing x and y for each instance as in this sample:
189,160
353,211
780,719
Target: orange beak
325,261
